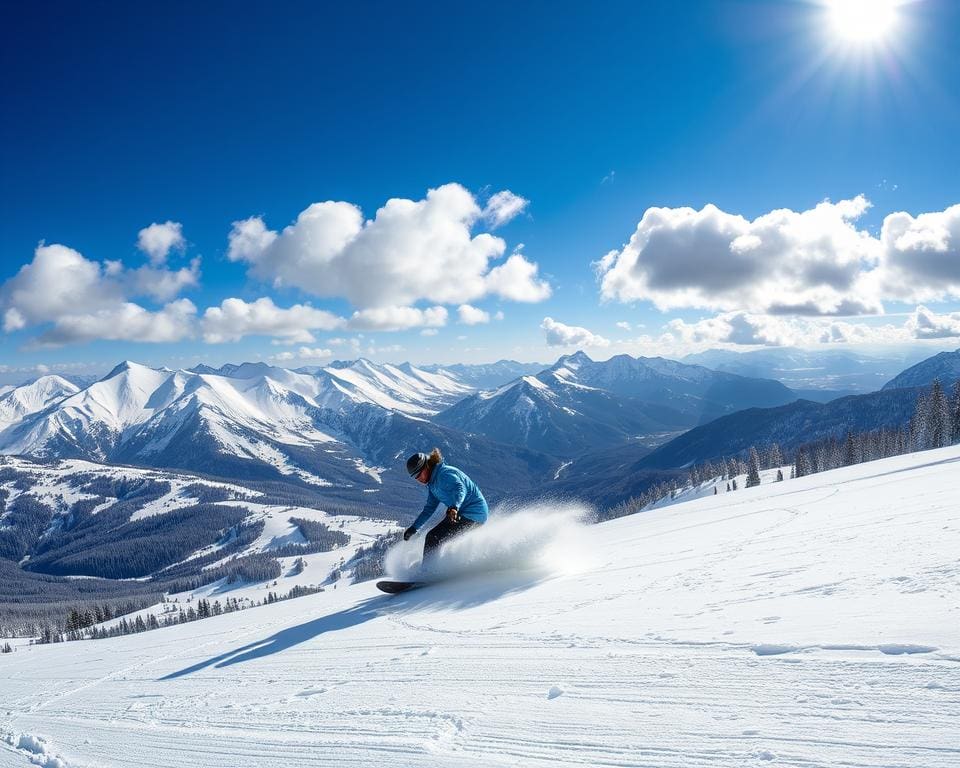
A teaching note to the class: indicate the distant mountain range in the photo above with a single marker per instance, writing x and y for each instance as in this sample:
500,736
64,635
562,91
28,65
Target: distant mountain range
578,404
814,374
945,367
592,428
341,430
789,425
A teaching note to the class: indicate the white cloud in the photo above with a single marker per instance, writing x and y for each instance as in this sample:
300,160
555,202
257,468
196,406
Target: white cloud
78,296
429,332
560,335
516,279
471,315
811,262
623,325
921,256
126,322
925,324
158,240
59,281
499,316
161,284
746,329
236,318
502,207
398,318
410,251
304,353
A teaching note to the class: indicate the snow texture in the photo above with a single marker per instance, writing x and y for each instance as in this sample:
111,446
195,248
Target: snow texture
809,623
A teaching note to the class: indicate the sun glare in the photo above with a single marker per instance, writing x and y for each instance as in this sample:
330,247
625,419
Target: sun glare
863,21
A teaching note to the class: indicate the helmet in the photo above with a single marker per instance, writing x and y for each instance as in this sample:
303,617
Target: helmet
415,463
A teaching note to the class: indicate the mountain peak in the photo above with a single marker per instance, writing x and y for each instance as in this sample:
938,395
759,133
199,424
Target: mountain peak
573,361
124,367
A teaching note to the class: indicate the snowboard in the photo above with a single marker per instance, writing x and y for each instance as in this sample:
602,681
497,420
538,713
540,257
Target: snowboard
396,587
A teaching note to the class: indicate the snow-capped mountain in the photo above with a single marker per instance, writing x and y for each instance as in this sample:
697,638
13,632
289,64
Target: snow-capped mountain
834,371
340,429
16,403
552,414
579,405
691,389
401,388
944,366
811,622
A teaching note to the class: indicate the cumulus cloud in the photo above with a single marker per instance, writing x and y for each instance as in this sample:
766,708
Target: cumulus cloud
59,281
410,251
126,322
746,329
784,262
560,335
158,240
471,315
516,279
808,263
623,325
78,295
398,318
502,207
921,256
236,318
304,353
161,284
925,324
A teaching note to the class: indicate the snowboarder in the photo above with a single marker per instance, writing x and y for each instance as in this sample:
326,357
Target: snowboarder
447,485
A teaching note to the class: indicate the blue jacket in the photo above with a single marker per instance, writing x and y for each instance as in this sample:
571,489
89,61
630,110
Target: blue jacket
452,488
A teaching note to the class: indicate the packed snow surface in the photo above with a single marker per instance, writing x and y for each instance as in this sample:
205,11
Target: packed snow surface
812,622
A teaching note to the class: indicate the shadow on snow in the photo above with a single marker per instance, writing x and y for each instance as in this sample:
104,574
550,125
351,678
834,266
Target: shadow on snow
455,594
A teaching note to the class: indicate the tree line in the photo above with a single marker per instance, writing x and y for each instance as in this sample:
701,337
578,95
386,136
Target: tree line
935,423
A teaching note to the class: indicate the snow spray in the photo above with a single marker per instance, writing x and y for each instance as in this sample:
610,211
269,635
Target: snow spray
547,538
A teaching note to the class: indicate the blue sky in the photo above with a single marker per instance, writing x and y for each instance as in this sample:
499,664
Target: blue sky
197,116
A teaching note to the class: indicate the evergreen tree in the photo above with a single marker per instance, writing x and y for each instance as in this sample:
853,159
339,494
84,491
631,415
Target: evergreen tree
919,439
779,475
955,413
939,426
774,456
753,468
852,450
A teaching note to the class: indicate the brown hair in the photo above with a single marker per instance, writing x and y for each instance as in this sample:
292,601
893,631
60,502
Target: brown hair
434,458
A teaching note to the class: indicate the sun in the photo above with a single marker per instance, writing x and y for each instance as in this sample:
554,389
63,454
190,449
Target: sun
862,21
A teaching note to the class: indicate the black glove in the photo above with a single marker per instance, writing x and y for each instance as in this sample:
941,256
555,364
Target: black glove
453,514
408,533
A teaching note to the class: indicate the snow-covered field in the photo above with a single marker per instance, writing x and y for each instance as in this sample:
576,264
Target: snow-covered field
813,622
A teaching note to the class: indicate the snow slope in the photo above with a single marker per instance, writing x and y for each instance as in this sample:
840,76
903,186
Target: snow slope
813,622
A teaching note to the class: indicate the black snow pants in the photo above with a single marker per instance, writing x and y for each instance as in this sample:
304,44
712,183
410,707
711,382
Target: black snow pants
444,532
